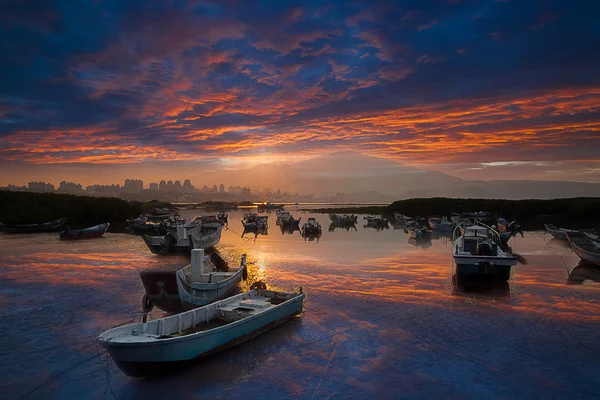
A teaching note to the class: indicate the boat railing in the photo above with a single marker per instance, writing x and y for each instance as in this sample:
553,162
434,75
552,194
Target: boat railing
457,233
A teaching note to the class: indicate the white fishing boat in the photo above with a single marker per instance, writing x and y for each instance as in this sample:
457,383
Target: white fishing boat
558,233
204,280
255,221
184,238
286,219
585,246
440,223
477,252
148,348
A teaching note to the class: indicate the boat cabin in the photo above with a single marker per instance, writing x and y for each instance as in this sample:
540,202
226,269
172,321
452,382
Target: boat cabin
478,241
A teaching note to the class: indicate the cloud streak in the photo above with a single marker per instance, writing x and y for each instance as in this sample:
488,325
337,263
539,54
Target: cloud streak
418,82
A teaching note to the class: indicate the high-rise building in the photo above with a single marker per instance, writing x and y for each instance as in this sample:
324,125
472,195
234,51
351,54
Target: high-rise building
162,186
70,187
177,186
154,186
187,186
221,188
133,186
40,187
215,189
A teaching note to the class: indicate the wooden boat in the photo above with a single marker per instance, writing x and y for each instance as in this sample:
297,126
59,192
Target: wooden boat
202,282
87,233
477,252
149,348
585,247
558,233
185,238
51,226
440,223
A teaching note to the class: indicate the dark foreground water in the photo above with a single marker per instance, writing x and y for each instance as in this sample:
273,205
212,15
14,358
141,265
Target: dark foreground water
383,319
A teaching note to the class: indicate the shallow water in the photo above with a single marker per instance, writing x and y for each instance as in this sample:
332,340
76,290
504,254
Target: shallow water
383,319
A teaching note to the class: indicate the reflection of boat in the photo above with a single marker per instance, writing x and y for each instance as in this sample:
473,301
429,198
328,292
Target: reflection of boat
376,222
185,238
289,229
87,233
474,284
263,230
440,234
420,243
584,271
145,348
477,252
585,247
347,226
417,231
558,233
52,226
198,284
440,223
343,219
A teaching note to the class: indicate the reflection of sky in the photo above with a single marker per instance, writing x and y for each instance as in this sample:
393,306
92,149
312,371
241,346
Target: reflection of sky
382,319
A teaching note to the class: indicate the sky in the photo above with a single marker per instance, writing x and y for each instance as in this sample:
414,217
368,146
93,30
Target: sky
97,91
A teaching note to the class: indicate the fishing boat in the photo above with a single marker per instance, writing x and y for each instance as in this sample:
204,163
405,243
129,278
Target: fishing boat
585,246
286,219
153,347
401,218
51,226
184,238
311,228
204,280
440,223
477,252
255,221
343,219
418,231
507,230
87,233
376,222
559,233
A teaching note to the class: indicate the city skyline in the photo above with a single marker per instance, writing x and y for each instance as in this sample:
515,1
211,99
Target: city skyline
478,90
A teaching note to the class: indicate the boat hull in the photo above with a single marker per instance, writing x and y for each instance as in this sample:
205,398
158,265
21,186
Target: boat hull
52,226
585,255
89,233
149,358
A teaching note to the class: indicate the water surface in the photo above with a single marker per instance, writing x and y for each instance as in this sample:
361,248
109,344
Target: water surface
383,319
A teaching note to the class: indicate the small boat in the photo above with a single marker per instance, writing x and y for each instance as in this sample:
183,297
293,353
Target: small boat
161,214
255,221
148,348
203,281
558,233
144,224
440,224
376,222
585,246
185,238
507,230
87,233
343,219
213,220
51,226
417,231
286,219
401,218
477,252
311,228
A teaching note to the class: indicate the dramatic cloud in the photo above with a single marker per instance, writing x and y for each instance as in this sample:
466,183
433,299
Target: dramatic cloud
481,86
